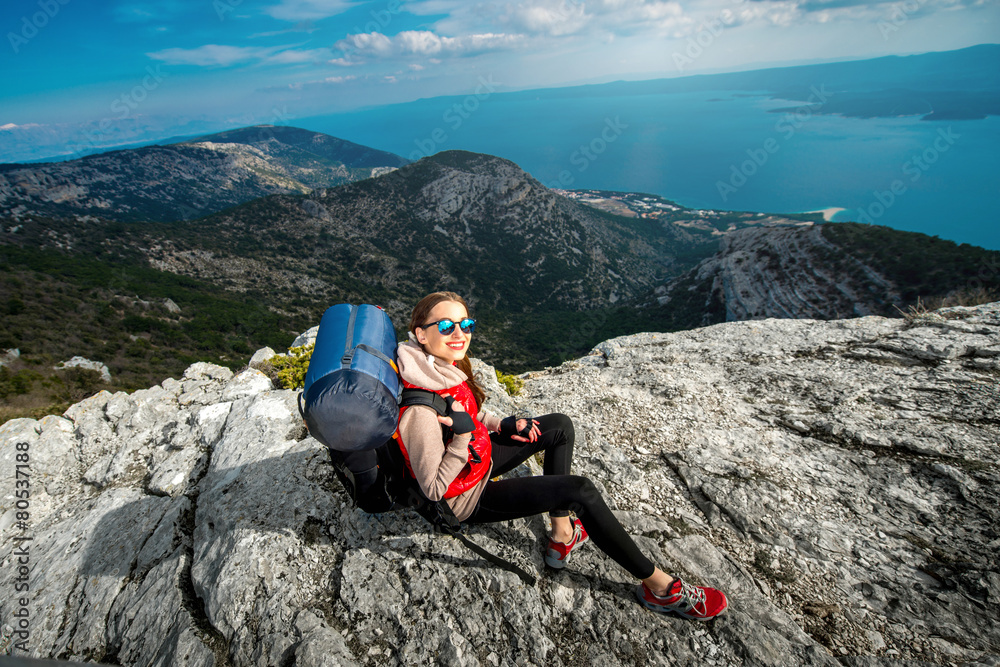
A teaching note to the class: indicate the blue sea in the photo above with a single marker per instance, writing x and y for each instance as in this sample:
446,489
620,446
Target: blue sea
716,150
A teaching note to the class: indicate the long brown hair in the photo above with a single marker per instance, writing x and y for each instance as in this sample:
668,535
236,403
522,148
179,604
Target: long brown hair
419,316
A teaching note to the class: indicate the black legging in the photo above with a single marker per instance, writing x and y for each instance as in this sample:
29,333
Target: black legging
557,492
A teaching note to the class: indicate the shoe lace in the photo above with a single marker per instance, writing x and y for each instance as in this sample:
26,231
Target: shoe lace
693,594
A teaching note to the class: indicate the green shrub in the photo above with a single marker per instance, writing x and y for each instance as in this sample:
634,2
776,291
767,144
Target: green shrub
15,306
72,385
15,384
511,383
290,372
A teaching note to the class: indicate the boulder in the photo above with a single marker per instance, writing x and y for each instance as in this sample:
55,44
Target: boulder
260,356
87,364
9,356
306,338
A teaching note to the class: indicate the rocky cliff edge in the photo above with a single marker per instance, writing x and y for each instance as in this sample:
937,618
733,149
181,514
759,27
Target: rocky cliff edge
838,479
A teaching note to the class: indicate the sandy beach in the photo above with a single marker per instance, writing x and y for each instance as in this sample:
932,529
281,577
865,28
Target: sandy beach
828,213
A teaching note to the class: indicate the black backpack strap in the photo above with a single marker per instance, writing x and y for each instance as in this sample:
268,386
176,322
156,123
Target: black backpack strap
439,513
424,397
427,398
345,361
442,518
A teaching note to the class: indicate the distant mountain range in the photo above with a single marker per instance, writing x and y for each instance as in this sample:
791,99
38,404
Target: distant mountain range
950,85
188,180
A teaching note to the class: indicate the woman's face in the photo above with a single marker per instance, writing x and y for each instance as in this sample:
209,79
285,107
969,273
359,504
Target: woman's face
451,347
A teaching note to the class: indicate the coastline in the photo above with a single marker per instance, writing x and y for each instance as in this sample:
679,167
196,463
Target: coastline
828,213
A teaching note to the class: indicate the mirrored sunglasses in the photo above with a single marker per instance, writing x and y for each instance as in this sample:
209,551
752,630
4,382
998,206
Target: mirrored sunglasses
445,327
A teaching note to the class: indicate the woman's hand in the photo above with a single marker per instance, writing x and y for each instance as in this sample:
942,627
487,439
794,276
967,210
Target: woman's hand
531,434
461,423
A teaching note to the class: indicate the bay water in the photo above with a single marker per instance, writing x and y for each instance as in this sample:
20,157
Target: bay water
715,150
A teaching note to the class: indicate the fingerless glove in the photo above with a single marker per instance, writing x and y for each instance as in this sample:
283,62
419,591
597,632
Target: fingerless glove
461,421
508,426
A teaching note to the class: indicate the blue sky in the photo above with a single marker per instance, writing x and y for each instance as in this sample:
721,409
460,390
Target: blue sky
99,73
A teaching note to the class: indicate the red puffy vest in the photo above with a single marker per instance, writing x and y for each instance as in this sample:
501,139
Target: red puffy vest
480,443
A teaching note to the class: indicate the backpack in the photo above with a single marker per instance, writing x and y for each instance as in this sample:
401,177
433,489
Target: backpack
351,402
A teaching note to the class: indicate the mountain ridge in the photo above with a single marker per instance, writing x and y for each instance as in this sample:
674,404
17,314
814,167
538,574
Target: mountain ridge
188,180
553,273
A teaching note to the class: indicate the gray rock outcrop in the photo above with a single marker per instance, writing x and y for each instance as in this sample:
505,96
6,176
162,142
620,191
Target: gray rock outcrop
787,273
86,364
307,337
9,356
837,479
260,356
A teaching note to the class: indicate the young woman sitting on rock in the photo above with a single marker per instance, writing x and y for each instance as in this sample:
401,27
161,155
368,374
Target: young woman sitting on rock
485,446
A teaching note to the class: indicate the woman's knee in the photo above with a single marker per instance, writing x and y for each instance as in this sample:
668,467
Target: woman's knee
559,422
583,492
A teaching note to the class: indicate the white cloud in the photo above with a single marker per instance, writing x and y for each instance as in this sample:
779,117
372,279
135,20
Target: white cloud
306,26
423,43
218,55
627,17
10,127
308,10
328,81
211,55
605,20
555,19
146,12
373,43
294,56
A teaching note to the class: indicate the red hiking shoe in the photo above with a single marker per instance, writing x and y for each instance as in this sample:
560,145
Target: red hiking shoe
557,555
700,603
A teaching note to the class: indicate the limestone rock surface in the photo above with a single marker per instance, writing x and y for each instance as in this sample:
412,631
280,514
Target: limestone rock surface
9,356
784,272
86,364
837,479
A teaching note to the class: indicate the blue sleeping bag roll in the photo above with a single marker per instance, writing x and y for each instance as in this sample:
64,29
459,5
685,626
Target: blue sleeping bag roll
351,396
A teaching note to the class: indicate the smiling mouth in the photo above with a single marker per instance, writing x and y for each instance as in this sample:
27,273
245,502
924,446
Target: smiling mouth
456,346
